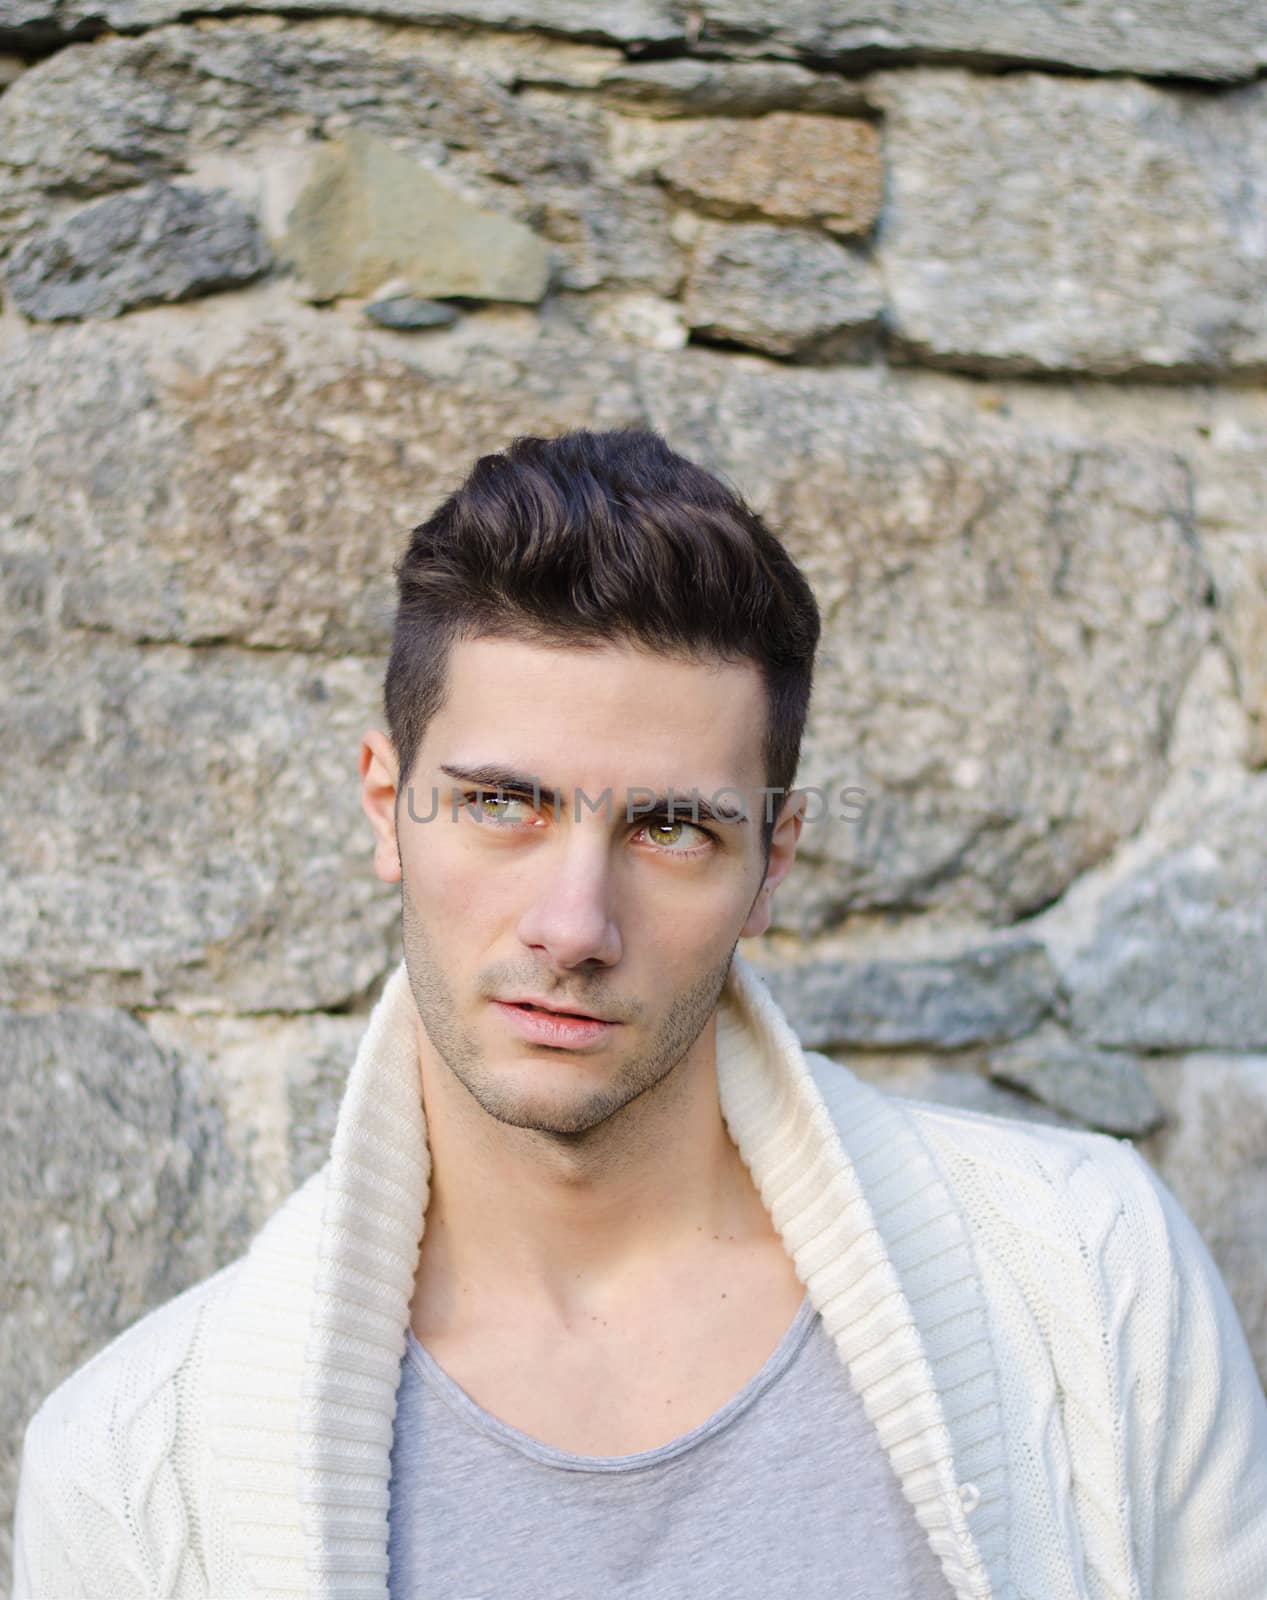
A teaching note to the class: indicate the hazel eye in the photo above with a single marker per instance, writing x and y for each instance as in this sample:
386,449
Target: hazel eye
499,813
670,827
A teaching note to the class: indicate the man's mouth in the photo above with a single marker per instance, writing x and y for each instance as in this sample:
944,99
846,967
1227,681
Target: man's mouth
555,1011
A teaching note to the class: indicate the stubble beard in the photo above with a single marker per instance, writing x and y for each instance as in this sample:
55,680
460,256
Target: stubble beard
456,1046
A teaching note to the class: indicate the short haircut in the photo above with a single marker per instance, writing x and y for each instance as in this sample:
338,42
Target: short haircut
595,537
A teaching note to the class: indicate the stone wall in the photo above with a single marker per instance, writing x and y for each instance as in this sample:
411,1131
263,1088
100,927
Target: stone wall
971,301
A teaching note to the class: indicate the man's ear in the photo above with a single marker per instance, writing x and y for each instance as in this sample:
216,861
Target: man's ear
379,773
783,842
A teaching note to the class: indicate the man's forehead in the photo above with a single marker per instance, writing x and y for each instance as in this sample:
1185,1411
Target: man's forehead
615,705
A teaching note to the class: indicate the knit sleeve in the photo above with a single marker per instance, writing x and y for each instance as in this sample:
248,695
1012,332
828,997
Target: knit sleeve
70,1534
45,1546
42,1567
1210,1480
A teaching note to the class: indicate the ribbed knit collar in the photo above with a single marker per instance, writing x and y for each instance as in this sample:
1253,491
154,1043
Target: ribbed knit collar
304,1355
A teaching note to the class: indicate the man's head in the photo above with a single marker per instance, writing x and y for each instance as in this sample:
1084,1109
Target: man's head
598,615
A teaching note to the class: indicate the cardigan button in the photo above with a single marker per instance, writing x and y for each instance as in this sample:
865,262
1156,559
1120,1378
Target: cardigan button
971,1497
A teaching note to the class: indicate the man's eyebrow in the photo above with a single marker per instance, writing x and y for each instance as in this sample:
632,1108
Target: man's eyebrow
488,775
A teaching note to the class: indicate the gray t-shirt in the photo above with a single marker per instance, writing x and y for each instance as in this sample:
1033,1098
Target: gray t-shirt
785,1490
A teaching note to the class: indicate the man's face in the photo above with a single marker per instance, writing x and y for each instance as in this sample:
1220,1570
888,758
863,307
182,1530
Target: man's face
581,900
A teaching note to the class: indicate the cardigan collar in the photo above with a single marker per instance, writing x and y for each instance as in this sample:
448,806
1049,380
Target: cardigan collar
304,1355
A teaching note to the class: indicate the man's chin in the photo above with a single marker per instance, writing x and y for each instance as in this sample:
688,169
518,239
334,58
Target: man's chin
508,1099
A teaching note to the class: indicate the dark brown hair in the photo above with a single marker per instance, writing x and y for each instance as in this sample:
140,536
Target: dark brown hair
593,537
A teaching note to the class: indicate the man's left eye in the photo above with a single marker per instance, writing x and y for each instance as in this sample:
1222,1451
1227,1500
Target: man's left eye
667,826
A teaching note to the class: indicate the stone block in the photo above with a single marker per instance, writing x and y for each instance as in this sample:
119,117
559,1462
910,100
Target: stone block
787,291
159,243
1036,223
369,214
977,996
785,167
1179,948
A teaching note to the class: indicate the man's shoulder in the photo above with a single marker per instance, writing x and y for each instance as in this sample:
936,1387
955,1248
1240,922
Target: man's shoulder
163,1352
1008,1138
115,1385
1035,1171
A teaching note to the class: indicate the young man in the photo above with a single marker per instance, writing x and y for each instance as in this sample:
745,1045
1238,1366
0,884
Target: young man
608,1286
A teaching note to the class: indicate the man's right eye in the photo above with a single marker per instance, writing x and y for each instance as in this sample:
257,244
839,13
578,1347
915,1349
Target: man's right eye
487,806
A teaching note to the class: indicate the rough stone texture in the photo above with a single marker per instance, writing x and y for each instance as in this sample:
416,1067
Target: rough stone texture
288,460
1103,1089
243,100
1231,508
1186,37
975,997
1180,947
786,166
1213,1154
1220,430
368,215
1009,619
118,1189
642,319
646,21
161,243
238,873
280,1080
195,837
405,313
1040,223
787,291
690,88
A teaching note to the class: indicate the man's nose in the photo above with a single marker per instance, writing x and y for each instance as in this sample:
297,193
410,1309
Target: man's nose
571,916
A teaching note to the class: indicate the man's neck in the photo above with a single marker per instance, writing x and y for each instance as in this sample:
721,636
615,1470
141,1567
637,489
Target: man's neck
565,1229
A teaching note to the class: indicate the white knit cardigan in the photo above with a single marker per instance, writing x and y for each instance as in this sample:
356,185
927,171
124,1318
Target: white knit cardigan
1037,1333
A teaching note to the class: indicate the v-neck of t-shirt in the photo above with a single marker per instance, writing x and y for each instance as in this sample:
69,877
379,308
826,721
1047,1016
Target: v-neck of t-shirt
472,1413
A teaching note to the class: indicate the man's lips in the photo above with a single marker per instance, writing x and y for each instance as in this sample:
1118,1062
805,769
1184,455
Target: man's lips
555,1010
558,1029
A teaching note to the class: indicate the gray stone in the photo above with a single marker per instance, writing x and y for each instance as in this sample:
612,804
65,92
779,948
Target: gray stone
787,291
1010,616
687,87
1103,1089
118,1189
1231,506
141,130
161,243
369,213
26,585
1040,224
403,311
185,98
1179,949
989,993
641,21
290,464
280,1080
612,232
1220,430
1212,1153
1184,37
1181,37
196,839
